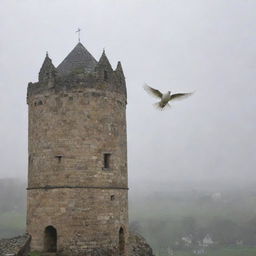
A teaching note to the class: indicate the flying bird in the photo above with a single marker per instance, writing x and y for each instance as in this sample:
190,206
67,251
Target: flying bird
165,97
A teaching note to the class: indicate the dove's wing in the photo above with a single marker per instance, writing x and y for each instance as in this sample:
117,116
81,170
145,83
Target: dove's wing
179,96
153,91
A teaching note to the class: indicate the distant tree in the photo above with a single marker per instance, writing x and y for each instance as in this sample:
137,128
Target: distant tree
189,227
135,226
12,196
224,231
249,232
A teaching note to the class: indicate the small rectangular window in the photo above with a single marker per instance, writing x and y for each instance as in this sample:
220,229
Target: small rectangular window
107,160
59,157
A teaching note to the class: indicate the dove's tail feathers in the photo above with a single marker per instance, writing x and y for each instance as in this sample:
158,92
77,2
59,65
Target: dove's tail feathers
162,106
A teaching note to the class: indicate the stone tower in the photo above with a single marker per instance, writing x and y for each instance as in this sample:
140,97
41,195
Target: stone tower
77,174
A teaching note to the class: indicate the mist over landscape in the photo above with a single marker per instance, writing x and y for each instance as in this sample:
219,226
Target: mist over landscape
191,168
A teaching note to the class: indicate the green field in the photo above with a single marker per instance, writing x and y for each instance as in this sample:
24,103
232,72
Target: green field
163,219
12,224
236,251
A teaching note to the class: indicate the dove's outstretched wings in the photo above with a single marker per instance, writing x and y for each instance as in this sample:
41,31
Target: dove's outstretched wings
153,91
165,97
179,96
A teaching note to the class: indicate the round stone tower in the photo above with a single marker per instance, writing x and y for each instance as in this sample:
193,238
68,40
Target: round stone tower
77,174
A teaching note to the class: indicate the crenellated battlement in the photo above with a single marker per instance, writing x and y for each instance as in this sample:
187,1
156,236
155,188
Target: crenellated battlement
76,80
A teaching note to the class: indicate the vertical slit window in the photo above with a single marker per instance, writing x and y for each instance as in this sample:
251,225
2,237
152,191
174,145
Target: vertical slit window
105,75
107,160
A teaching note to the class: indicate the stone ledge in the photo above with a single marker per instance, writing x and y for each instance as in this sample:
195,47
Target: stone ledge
91,187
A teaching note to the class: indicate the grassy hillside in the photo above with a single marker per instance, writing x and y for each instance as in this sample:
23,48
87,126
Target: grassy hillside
163,218
12,207
228,216
244,251
12,224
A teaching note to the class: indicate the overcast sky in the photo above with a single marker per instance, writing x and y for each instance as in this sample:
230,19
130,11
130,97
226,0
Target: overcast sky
206,46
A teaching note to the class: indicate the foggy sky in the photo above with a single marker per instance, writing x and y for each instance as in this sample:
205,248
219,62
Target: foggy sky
206,46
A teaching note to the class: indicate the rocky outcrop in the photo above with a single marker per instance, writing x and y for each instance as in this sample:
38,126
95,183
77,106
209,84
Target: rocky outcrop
138,246
17,246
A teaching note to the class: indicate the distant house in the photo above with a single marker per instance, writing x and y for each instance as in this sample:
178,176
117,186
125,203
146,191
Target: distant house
187,240
240,242
216,196
207,241
170,252
200,251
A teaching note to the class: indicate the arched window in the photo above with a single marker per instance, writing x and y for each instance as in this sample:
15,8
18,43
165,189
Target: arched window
121,242
50,239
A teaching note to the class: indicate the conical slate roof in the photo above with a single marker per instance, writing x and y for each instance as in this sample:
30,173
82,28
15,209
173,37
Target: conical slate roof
78,58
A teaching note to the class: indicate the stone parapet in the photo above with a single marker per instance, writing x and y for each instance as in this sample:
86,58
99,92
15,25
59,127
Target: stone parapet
79,81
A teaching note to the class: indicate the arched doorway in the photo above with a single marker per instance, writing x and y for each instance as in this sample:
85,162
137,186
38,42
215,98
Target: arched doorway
121,242
50,239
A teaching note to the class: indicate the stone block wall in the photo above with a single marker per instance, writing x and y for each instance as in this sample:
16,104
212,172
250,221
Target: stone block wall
84,219
70,188
69,133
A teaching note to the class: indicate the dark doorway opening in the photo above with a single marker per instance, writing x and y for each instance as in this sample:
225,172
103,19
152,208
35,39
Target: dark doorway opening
121,242
50,239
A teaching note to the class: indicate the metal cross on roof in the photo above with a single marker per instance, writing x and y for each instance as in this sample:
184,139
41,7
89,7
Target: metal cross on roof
78,31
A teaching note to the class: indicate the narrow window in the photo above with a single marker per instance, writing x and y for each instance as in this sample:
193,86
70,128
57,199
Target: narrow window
59,157
29,161
107,160
121,242
105,75
112,197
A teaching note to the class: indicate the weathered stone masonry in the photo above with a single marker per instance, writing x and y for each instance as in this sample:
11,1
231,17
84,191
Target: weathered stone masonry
77,175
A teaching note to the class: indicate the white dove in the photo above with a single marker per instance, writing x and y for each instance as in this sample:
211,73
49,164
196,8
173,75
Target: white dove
165,97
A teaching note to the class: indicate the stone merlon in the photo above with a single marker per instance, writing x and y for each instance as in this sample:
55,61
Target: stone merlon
47,71
104,63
